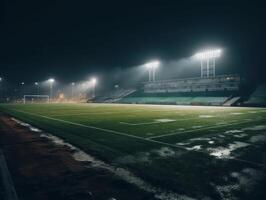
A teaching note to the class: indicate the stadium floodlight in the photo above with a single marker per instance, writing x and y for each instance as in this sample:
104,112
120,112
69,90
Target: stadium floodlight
205,55
151,66
207,59
94,81
51,80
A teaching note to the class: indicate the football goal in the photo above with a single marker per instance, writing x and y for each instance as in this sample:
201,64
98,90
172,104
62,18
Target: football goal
36,99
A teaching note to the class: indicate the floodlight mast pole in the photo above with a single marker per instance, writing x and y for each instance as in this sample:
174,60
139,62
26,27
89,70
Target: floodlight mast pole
153,73
150,75
93,82
37,87
51,81
209,57
214,67
93,91
51,91
201,68
152,69
208,68
72,90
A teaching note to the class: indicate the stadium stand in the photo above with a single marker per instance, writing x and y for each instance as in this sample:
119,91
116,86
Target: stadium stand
258,97
219,90
116,95
186,100
192,91
218,83
232,101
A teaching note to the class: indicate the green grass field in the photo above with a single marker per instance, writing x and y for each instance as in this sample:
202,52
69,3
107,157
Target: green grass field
191,152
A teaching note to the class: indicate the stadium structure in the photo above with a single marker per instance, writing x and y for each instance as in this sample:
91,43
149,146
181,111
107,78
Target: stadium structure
207,89
218,90
116,149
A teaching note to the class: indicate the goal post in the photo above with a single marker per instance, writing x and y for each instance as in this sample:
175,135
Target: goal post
36,99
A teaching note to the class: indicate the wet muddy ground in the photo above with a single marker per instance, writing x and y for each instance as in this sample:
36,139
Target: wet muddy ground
41,170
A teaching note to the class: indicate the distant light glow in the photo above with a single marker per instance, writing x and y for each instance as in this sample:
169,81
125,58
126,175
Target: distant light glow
22,83
73,83
205,55
1,79
153,64
51,80
94,81
36,83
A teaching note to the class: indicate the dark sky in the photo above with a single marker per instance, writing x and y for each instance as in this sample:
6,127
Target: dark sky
70,40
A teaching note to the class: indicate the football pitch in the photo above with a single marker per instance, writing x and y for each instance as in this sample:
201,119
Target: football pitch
185,152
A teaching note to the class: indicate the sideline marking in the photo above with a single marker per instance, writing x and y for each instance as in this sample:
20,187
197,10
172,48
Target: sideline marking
144,139
76,114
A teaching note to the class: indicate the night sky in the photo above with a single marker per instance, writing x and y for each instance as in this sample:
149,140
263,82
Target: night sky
70,40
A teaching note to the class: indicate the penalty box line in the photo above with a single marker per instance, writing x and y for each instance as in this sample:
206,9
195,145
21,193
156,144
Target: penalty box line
201,129
135,137
178,120
156,122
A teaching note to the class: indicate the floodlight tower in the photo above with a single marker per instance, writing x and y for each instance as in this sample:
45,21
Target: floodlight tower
51,81
152,66
37,87
93,82
22,88
207,62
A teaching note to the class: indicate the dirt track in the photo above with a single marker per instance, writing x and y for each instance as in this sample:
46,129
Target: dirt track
42,171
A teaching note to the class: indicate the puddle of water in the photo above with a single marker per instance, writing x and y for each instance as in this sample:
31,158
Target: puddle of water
26,125
245,181
223,152
252,112
165,152
241,135
233,131
196,147
164,120
236,113
200,139
221,123
206,116
255,128
194,127
258,138
183,143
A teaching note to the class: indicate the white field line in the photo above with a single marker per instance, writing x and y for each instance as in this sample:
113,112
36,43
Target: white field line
135,137
156,122
77,114
82,125
98,113
200,129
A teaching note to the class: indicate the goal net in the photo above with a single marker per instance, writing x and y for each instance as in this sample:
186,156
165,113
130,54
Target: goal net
36,99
